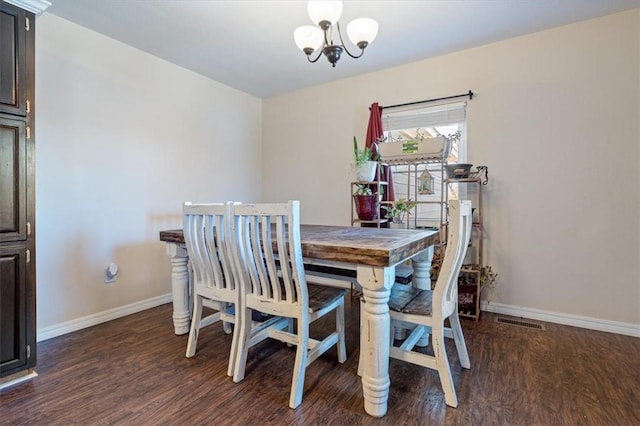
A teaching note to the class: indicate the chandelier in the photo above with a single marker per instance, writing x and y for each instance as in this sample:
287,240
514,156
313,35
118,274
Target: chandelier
325,14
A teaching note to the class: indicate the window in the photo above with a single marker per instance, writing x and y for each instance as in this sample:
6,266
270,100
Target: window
416,122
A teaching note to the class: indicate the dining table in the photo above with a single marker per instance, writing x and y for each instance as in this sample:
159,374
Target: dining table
373,252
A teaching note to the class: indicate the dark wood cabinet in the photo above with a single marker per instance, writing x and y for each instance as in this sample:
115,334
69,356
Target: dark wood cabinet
17,193
13,97
13,182
13,351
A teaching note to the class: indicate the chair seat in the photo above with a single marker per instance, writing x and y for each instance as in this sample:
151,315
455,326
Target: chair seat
410,300
321,296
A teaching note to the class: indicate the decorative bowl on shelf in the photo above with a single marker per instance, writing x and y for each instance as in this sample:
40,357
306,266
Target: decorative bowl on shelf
458,170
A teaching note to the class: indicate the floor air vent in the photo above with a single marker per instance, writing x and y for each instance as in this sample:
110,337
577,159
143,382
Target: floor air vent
521,323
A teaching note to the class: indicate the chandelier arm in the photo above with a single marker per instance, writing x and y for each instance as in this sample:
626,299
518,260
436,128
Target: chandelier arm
328,36
344,46
313,61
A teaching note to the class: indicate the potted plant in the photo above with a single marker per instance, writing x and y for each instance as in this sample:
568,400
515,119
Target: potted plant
366,163
366,202
397,211
488,278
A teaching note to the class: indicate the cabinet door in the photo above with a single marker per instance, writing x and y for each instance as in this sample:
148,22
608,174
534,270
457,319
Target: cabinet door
13,196
13,310
12,60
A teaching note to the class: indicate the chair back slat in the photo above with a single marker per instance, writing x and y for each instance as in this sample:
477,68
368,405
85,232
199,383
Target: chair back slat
206,239
267,235
285,259
255,257
446,291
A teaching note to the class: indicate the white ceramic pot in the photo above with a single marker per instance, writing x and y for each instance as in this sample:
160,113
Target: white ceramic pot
367,172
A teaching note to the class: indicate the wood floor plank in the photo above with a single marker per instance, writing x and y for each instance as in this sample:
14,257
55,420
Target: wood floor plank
133,371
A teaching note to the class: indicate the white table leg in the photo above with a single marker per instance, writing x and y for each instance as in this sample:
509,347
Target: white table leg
374,336
180,288
422,269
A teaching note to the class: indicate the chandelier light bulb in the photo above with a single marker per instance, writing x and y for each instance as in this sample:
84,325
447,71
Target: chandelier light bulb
324,11
362,31
308,38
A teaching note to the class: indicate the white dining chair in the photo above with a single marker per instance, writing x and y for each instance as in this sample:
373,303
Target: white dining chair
272,280
206,233
425,311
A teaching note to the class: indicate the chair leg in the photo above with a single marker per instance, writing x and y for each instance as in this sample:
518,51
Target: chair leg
342,348
424,340
291,329
442,363
458,337
363,332
227,326
195,327
398,333
243,319
393,334
234,346
300,365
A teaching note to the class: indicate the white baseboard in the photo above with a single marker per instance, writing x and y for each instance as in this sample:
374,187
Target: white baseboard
17,379
627,329
94,319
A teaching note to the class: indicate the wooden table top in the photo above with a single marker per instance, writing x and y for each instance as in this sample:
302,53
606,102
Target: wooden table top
365,246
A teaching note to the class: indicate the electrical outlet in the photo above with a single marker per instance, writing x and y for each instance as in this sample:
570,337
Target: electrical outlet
111,273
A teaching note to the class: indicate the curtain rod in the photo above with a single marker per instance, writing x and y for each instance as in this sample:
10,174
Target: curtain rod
469,94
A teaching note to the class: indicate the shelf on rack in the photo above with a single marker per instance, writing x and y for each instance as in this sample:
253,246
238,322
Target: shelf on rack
371,221
462,180
371,182
414,161
480,175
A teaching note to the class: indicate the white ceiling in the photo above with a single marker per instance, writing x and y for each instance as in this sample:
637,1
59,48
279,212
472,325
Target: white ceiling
248,44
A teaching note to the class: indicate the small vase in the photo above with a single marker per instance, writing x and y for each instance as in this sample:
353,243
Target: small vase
397,225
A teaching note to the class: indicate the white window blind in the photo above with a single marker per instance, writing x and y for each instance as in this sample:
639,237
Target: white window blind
416,116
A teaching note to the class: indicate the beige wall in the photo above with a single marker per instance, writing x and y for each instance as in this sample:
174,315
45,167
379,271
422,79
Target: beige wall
123,138
555,119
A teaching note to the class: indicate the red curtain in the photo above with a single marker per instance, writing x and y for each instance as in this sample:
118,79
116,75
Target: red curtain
375,132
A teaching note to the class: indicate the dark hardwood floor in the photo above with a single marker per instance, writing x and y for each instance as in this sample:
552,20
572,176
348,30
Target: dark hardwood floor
132,371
